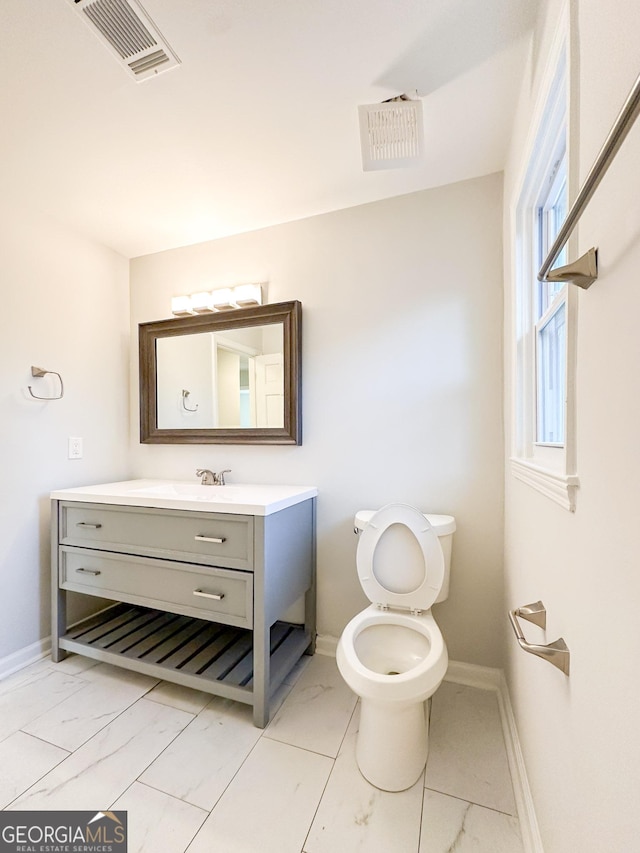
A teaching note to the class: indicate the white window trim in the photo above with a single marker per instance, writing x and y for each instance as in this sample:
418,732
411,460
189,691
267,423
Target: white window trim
549,470
561,488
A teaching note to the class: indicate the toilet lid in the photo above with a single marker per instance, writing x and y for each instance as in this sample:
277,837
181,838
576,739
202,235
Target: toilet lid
399,559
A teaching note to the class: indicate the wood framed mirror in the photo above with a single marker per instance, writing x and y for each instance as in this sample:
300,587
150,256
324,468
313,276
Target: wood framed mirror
230,377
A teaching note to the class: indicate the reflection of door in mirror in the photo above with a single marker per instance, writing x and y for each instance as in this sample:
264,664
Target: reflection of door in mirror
247,391
235,405
269,390
235,355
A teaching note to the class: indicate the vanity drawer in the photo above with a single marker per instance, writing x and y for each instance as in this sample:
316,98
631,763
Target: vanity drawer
214,594
215,539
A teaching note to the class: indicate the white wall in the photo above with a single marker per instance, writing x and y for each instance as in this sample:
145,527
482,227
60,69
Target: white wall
65,308
402,306
580,735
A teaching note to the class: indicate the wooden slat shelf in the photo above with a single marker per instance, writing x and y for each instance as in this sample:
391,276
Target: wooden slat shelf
197,653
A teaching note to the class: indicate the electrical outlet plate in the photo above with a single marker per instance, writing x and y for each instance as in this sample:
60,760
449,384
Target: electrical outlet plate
75,448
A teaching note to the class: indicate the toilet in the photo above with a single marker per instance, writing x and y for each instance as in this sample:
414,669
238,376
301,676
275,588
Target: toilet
392,654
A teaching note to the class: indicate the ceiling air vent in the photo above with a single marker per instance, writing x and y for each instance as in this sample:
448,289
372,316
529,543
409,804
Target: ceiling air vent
129,33
391,134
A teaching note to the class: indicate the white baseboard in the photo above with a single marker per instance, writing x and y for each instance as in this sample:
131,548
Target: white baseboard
531,839
24,657
326,645
472,675
36,651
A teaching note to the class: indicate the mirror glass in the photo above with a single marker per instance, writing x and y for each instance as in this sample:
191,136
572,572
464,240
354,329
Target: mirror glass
233,379
222,378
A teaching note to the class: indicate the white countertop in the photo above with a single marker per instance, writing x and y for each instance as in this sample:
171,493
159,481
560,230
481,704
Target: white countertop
235,498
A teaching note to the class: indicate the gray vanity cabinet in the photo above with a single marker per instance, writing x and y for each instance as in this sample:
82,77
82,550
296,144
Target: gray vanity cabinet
196,598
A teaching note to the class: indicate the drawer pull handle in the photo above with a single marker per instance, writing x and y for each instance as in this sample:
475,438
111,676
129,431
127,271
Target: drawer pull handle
87,524
217,596
88,571
217,540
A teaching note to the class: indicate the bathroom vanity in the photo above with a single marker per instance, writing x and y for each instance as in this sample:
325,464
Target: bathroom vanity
199,580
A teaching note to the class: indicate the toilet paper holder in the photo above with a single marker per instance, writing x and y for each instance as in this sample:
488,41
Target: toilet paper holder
557,653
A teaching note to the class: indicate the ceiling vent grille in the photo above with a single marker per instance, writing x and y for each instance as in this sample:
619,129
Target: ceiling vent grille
130,35
391,134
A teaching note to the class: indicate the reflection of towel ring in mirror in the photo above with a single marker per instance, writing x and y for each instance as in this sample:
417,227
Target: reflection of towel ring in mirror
185,394
40,371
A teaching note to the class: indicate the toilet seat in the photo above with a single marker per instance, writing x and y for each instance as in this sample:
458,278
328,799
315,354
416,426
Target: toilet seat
414,684
411,581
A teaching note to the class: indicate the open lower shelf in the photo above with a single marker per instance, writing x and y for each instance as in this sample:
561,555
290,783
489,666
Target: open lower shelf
194,652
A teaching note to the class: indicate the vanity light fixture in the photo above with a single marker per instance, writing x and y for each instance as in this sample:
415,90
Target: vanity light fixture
181,306
221,299
247,294
202,303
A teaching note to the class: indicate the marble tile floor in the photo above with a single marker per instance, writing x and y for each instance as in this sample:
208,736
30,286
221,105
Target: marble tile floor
195,775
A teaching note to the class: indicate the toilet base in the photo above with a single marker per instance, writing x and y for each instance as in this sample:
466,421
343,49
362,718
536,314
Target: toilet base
392,744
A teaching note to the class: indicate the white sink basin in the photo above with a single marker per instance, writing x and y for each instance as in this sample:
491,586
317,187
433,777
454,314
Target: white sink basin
239,498
194,491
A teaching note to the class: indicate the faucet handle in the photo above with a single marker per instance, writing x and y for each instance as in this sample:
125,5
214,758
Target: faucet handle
219,477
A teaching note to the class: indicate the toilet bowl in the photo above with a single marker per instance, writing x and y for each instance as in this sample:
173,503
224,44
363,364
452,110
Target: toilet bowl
392,654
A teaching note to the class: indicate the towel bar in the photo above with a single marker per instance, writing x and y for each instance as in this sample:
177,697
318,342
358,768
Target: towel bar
557,653
584,271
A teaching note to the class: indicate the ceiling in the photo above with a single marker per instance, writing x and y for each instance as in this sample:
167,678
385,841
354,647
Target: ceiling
259,123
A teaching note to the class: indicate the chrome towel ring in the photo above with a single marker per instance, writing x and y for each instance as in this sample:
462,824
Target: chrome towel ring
39,372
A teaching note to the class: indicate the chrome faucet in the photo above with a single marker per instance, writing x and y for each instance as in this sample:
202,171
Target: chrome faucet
210,478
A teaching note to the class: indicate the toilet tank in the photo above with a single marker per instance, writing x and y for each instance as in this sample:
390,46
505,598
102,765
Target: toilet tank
443,526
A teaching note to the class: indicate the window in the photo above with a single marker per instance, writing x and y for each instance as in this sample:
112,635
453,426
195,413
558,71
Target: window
550,313
544,444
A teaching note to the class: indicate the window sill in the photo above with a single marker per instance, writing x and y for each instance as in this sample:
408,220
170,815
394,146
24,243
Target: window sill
561,488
